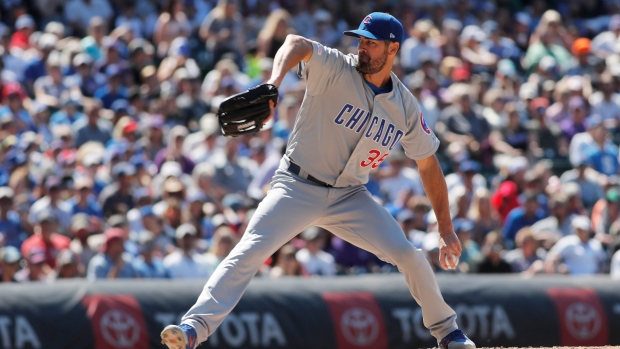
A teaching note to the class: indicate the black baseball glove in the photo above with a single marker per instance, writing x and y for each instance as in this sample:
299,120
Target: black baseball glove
245,112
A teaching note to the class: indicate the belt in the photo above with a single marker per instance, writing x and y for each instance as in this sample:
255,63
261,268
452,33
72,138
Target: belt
294,168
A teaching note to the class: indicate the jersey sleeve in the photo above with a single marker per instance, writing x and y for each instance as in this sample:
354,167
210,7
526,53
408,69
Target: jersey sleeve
420,141
323,68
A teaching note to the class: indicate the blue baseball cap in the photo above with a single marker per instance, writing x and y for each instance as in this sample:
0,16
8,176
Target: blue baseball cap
379,26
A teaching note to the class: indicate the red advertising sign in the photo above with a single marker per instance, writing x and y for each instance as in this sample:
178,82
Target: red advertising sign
582,317
117,322
358,320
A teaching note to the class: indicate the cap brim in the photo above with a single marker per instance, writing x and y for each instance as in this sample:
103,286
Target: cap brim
364,33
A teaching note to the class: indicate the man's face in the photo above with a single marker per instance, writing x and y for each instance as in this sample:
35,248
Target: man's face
373,55
6,204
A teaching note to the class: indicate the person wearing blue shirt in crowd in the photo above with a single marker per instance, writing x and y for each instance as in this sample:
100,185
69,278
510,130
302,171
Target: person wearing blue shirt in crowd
601,154
85,77
10,223
68,114
148,265
113,262
36,68
14,109
113,90
526,215
92,127
84,201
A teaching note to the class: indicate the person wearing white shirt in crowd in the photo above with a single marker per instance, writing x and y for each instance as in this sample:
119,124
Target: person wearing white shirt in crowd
53,202
606,102
80,12
614,272
185,262
314,260
421,43
605,43
577,254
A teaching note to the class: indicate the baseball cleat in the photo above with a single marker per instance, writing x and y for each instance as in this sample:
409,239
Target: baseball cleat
179,337
456,340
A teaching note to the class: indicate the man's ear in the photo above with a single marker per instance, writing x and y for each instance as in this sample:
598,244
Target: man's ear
394,47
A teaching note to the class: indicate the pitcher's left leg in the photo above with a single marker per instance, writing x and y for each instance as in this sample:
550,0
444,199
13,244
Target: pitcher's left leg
358,219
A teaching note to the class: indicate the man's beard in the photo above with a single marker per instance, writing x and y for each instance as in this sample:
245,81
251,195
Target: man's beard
366,65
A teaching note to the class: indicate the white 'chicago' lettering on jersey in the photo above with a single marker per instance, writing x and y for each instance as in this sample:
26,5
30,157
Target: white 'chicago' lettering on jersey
390,137
343,130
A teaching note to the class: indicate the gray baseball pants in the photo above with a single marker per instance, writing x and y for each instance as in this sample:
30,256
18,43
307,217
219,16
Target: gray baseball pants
293,204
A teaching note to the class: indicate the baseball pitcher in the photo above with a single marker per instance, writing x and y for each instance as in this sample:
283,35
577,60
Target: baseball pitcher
354,112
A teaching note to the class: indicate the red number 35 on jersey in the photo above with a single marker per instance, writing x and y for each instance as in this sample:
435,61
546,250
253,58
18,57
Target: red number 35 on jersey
375,158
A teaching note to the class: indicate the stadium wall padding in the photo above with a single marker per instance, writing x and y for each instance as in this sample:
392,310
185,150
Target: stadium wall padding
361,312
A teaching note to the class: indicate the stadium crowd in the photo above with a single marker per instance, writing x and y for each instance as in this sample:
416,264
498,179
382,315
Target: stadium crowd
112,164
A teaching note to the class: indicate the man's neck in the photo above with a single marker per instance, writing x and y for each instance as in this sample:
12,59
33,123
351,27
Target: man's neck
380,79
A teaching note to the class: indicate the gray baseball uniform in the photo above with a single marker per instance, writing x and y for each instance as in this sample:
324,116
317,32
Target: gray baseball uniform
342,132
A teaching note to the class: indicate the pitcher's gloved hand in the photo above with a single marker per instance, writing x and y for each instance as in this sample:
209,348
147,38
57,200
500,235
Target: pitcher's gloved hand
246,112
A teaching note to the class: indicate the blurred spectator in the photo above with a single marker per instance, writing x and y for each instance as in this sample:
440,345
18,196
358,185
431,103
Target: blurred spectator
576,123
117,197
9,263
85,78
79,13
577,254
604,44
150,263
273,34
185,262
113,90
614,268
422,44
172,23
524,216
93,127
52,87
174,151
606,211
81,230
53,203
35,267
113,262
45,239
467,175
463,122
24,26
68,113
493,261
11,228
286,263
582,63
527,258
606,102
83,201
35,68
547,43
222,31
482,214
584,177
558,224
313,259
68,265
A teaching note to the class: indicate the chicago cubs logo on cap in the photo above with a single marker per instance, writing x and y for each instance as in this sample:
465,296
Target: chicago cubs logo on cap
424,125
367,19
